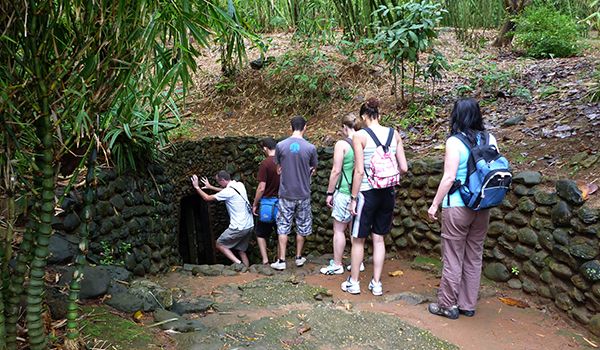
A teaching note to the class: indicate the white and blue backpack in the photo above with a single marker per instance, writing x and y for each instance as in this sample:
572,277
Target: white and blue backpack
488,174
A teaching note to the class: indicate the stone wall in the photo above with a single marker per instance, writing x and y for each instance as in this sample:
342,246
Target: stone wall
543,240
134,223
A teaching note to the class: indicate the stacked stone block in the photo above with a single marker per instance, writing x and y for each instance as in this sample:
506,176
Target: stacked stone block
133,221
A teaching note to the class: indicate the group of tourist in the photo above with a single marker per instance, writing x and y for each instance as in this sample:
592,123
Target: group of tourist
367,165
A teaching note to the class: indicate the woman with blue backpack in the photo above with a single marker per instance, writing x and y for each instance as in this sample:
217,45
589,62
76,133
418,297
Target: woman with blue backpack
476,177
379,161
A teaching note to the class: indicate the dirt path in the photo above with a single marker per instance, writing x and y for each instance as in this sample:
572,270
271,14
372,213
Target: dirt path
261,304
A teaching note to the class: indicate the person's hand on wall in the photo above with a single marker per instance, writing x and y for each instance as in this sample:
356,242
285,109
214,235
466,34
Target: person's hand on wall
206,183
194,179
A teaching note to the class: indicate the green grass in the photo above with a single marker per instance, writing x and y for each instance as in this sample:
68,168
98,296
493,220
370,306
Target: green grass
424,260
100,324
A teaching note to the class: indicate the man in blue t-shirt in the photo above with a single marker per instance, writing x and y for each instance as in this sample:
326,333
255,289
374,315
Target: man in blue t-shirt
296,160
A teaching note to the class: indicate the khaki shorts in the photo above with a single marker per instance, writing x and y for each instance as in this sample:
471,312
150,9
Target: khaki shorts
235,239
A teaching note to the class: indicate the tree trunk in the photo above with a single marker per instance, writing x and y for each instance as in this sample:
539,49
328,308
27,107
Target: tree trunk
513,8
402,81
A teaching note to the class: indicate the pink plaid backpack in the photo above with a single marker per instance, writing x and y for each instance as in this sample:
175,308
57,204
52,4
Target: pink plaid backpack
383,171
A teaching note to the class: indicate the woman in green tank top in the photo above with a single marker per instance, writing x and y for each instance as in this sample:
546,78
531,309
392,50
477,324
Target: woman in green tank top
338,193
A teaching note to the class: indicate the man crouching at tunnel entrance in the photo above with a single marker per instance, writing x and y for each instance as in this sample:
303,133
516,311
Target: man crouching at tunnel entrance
237,236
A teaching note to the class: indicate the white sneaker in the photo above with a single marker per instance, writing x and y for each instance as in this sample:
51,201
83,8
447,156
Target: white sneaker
300,260
376,287
278,265
362,267
350,286
332,269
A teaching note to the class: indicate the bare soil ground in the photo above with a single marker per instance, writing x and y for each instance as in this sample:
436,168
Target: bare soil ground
495,325
558,134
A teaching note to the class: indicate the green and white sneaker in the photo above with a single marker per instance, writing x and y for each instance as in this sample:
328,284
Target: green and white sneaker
332,269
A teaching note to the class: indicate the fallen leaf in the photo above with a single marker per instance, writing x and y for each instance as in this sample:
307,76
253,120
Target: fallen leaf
396,273
586,189
137,316
514,302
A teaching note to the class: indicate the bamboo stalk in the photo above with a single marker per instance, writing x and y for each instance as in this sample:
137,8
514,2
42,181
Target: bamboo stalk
72,341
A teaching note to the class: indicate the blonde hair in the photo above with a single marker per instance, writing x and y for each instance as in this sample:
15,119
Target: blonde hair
350,121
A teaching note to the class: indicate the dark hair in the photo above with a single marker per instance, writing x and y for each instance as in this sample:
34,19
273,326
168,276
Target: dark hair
370,108
223,175
298,123
268,142
466,118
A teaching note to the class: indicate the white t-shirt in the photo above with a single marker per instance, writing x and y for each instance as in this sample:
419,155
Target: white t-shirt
382,134
237,205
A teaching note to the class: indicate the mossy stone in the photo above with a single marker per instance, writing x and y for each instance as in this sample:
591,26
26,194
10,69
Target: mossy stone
496,272
584,249
433,181
561,214
568,190
527,236
522,251
496,214
522,190
560,270
561,236
496,228
516,218
588,215
528,178
526,205
544,211
539,223
591,270
419,181
545,198
408,222
563,301
580,282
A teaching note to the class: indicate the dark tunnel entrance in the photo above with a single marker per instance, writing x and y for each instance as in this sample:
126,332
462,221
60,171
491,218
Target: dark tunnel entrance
196,241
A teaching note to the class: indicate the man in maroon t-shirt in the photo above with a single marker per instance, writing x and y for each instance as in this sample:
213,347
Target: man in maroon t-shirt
268,187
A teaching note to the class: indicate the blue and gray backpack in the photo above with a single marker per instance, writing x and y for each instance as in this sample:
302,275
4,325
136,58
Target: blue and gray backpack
488,174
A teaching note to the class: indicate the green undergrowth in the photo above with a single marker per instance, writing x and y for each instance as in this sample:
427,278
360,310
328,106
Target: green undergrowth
105,330
427,261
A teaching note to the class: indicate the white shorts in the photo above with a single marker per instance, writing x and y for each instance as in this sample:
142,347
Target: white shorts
341,207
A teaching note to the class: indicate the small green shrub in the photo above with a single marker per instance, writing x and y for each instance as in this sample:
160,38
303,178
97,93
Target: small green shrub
303,80
543,32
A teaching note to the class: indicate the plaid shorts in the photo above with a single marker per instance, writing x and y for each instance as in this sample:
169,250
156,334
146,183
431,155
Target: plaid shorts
294,208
